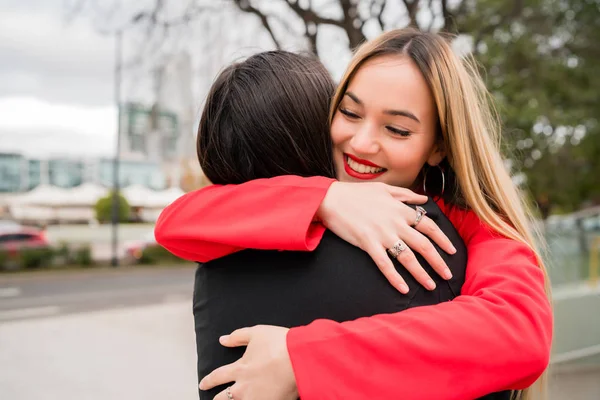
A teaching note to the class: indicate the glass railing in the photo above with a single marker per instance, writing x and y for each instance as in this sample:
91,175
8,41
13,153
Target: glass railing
572,255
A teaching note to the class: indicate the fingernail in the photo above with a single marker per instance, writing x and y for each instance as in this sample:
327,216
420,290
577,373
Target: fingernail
447,274
430,284
403,288
452,250
223,338
201,386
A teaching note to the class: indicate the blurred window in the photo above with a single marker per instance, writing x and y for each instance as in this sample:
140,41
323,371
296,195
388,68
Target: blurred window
10,172
16,237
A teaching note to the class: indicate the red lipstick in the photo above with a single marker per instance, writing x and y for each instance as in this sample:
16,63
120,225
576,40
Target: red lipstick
361,161
359,175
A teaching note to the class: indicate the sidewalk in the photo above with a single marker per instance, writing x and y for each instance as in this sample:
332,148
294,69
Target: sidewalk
135,353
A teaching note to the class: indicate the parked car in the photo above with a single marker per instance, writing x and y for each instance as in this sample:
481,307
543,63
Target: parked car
135,248
8,224
22,246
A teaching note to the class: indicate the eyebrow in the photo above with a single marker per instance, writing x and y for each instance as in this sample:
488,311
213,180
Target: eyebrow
401,113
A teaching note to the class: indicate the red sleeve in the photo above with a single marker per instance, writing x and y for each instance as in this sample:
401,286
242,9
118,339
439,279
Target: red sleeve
495,336
215,221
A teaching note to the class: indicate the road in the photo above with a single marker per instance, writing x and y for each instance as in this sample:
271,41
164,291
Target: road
127,333
64,292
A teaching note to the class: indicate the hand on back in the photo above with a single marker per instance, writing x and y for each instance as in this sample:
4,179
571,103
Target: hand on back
374,217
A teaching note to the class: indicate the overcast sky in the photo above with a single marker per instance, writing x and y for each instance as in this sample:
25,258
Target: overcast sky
56,86
56,77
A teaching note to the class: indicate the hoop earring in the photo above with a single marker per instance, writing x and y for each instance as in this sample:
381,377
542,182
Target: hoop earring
443,179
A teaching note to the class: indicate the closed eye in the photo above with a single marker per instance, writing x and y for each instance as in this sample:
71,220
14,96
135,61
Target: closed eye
399,132
348,113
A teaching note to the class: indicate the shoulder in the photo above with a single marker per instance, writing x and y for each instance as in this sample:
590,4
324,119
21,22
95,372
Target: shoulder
470,227
475,232
485,245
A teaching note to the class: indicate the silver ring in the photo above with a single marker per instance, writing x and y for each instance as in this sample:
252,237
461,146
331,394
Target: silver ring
228,393
420,214
398,248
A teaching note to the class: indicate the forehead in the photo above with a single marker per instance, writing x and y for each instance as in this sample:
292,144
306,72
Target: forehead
392,82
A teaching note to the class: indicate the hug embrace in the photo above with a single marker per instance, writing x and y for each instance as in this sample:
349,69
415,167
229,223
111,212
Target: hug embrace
363,241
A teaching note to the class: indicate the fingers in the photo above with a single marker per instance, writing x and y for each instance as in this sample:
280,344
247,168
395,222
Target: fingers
219,376
409,261
419,243
237,338
223,394
406,195
431,230
385,265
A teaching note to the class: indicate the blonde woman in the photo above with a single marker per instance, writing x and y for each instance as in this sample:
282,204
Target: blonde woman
407,113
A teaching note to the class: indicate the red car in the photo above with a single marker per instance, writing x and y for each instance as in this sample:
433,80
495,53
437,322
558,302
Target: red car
135,248
15,239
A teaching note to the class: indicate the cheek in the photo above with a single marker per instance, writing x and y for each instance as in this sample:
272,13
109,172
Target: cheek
340,130
405,159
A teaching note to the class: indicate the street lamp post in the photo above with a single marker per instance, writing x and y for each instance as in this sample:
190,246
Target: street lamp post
116,160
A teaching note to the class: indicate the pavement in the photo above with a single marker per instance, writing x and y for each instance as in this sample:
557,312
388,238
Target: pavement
98,335
127,333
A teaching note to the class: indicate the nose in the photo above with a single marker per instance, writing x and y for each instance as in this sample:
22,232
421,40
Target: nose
365,140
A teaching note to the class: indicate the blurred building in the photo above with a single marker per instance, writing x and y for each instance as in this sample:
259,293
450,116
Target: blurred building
164,132
157,144
20,174
12,167
149,133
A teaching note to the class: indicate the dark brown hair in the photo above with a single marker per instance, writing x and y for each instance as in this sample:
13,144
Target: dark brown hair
267,116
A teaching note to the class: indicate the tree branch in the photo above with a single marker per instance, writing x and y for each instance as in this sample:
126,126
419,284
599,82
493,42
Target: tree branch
191,12
433,16
411,9
382,5
308,15
312,40
74,10
349,23
245,6
449,25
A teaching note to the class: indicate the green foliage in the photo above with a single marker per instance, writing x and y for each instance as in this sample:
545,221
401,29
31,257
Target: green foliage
104,208
62,252
83,256
157,254
36,258
3,259
540,65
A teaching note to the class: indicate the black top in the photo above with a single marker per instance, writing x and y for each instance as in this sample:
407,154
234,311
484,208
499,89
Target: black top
337,281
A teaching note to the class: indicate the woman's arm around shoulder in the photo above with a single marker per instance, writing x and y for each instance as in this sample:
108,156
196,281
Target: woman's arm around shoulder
215,221
495,336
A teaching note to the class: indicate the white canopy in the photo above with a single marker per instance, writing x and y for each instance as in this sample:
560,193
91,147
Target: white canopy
42,195
138,195
163,198
44,201
86,194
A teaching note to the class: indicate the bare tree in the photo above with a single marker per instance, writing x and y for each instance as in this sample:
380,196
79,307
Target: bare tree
352,16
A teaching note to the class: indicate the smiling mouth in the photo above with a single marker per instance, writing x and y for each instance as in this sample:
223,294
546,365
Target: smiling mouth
361,170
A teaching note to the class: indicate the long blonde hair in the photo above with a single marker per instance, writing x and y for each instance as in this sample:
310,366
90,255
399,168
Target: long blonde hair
469,129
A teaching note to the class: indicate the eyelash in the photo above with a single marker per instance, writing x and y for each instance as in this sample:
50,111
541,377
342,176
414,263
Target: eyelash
399,132
348,114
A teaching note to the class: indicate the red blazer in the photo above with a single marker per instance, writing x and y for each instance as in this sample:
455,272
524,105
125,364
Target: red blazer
495,336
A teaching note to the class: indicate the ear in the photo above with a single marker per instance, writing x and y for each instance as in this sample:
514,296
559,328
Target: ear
437,154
